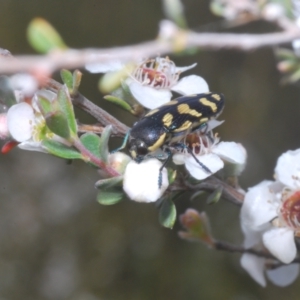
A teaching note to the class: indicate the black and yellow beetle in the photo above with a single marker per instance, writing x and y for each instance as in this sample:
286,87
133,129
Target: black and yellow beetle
165,126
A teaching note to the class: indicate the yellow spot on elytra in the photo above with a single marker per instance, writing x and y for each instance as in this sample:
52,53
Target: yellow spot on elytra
194,113
216,97
186,125
203,120
206,102
158,143
183,108
152,112
167,119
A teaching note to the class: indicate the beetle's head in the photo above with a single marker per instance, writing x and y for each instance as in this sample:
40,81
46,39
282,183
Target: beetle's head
137,149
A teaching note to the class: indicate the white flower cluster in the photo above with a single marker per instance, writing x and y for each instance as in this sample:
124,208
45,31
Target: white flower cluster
270,219
151,84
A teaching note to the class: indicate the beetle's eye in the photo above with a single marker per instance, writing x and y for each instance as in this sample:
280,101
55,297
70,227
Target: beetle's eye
141,148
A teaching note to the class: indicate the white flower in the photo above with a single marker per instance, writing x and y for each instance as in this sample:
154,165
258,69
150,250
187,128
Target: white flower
20,119
270,215
141,180
26,125
152,81
280,276
211,154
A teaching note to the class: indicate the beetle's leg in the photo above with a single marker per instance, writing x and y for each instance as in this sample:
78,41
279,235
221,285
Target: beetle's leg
203,166
123,144
169,153
190,151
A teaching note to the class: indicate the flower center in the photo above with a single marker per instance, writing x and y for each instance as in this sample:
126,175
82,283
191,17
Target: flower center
200,143
158,73
290,211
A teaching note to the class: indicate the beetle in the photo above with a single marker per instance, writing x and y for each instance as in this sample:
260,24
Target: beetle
163,127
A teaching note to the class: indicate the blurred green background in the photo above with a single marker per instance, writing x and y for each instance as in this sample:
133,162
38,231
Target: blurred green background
57,242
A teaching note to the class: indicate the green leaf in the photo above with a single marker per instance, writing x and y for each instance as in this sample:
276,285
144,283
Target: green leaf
285,54
66,105
103,147
112,80
58,124
91,141
67,78
167,213
171,175
118,101
108,182
77,75
197,195
44,105
61,150
174,11
215,196
43,37
110,197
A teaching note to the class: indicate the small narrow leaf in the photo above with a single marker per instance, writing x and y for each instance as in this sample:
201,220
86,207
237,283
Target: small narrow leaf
108,182
167,214
67,78
110,197
118,101
77,75
112,80
215,196
174,11
66,105
61,150
58,124
197,195
171,175
103,147
91,141
45,105
43,37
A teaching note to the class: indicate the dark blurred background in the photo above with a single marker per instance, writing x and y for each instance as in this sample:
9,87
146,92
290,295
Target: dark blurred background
57,242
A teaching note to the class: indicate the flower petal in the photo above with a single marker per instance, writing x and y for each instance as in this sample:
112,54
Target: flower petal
284,275
232,152
192,84
32,146
255,267
251,237
141,180
280,242
20,120
210,160
147,96
178,158
259,206
287,169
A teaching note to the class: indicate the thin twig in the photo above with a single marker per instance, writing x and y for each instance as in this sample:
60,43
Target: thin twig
71,59
212,183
